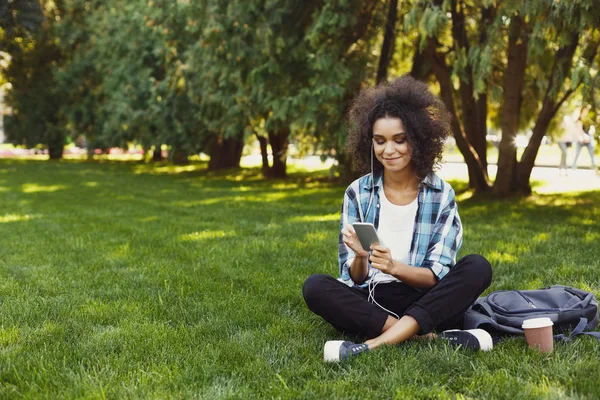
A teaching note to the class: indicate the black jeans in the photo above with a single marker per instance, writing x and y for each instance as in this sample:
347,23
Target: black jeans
439,308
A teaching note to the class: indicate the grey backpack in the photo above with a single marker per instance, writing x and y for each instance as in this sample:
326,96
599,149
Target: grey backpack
502,312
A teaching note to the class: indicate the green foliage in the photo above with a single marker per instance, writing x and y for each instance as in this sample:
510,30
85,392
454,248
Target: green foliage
476,50
32,90
217,64
135,76
191,73
186,73
282,65
342,40
17,18
433,22
553,27
119,72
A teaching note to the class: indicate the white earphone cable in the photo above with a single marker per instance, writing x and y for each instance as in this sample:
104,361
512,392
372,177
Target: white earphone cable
371,297
372,286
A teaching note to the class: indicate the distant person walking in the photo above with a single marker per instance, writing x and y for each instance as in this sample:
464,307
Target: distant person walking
584,139
568,136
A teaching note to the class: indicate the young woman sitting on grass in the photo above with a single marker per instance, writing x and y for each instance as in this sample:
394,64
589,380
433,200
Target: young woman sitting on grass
412,285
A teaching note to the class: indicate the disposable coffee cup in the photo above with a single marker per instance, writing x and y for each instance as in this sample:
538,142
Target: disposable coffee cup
538,333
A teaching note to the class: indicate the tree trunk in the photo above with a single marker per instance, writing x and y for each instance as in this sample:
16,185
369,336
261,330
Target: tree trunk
225,153
157,154
470,112
421,63
279,148
347,173
55,143
481,103
263,154
478,177
389,41
180,157
55,152
514,80
480,144
563,62
525,166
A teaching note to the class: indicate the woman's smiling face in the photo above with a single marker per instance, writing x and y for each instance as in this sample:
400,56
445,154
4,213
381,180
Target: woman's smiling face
390,144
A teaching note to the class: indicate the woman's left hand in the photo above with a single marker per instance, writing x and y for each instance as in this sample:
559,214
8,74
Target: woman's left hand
381,258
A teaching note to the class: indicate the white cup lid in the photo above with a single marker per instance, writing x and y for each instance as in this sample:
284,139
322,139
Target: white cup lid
537,323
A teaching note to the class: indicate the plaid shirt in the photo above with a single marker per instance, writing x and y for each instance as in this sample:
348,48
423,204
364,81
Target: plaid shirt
437,235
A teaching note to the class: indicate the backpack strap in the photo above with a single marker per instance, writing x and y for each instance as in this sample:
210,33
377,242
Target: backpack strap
487,308
483,317
579,330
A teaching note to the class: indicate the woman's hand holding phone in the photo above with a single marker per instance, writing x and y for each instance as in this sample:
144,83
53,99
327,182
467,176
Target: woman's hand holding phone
351,240
381,258
368,241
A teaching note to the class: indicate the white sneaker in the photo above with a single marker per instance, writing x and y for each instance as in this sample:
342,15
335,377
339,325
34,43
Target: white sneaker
474,339
339,350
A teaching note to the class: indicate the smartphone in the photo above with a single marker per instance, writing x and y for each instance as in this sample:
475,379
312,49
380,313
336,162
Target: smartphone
366,234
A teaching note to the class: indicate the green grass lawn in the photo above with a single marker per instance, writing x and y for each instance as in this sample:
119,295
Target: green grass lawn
119,280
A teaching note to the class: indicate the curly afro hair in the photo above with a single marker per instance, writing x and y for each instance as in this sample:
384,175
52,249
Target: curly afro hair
424,117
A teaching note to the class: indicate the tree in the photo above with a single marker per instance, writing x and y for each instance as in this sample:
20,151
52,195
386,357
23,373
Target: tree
342,39
127,78
573,29
278,70
463,43
32,94
218,64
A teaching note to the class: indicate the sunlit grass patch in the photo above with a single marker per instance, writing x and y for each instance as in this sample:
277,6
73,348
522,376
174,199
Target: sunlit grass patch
205,235
9,336
496,257
16,217
35,188
315,218
170,169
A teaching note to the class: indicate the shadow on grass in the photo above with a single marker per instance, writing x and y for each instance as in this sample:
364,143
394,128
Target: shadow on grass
153,180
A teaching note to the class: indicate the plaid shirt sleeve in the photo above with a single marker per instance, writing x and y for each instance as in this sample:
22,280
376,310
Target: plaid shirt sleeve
350,213
446,237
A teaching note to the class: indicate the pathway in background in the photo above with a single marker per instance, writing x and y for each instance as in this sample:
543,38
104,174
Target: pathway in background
550,180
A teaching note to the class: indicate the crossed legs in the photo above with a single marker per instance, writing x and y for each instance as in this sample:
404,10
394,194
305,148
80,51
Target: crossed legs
421,312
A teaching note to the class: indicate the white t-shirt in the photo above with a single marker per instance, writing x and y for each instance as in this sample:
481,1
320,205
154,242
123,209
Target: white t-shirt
396,226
